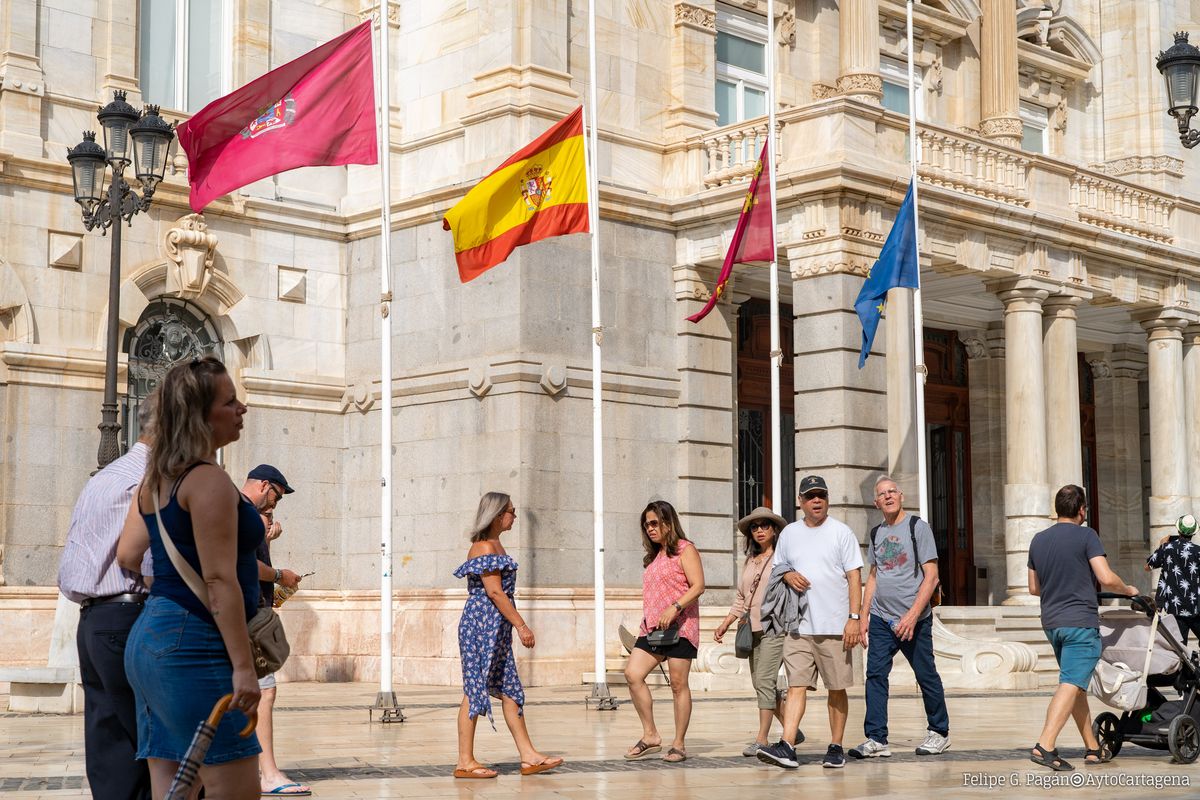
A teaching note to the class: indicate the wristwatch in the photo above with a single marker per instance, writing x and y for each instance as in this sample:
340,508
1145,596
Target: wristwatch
278,575
678,607
855,616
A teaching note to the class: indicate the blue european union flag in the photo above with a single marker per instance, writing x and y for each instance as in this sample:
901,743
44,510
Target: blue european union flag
897,266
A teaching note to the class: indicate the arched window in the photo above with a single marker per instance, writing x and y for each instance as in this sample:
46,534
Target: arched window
169,332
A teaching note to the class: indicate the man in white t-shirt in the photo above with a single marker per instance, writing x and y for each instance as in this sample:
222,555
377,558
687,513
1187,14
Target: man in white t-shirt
826,565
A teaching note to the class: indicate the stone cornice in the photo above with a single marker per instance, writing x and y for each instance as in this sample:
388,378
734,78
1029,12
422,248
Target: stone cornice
692,16
277,389
937,26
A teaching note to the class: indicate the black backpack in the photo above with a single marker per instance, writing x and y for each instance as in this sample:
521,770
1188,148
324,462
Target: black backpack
936,599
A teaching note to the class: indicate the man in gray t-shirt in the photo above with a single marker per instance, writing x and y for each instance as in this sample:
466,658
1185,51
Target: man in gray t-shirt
902,557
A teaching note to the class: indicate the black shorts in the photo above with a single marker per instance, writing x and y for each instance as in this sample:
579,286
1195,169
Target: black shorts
681,649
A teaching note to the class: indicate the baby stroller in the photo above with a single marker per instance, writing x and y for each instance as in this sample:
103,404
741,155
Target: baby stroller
1142,655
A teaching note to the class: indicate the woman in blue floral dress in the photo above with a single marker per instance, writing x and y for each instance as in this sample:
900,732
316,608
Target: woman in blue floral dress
485,641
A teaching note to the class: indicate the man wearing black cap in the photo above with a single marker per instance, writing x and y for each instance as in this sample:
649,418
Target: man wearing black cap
825,563
265,486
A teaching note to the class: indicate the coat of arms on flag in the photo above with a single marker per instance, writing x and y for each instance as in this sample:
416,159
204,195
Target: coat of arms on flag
535,187
280,115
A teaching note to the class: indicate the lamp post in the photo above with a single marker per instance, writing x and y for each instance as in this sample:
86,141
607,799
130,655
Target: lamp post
1180,67
129,138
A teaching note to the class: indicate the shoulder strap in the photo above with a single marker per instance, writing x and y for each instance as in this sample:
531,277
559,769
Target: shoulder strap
912,532
181,566
179,481
874,531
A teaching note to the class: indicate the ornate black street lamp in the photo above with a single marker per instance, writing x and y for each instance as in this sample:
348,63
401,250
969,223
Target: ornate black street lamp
1180,67
129,138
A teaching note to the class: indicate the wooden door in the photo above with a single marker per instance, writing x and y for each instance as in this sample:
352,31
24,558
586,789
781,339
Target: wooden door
948,441
754,409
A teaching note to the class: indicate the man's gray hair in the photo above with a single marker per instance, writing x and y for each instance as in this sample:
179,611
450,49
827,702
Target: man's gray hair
147,410
887,479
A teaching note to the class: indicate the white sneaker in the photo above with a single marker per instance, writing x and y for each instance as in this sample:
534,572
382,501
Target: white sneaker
934,744
870,749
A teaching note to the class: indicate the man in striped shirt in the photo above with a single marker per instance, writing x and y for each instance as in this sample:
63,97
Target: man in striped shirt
110,600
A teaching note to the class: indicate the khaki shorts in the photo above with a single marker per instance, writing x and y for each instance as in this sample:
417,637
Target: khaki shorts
805,657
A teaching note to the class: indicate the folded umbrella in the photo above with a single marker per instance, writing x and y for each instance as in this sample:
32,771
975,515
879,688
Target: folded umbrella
189,768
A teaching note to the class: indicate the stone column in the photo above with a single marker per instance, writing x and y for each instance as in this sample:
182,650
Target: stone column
901,394
693,69
1064,456
999,106
120,47
707,426
985,381
1191,416
22,86
841,413
1026,495
1119,458
858,37
1170,490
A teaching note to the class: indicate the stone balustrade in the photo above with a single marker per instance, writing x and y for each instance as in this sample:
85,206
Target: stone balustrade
973,166
730,153
1122,207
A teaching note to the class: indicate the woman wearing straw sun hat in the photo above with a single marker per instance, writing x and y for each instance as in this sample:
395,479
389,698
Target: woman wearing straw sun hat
760,528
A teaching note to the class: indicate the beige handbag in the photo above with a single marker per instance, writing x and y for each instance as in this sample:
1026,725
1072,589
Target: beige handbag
268,641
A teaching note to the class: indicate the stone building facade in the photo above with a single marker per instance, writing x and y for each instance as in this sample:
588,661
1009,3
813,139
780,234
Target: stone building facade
1058,242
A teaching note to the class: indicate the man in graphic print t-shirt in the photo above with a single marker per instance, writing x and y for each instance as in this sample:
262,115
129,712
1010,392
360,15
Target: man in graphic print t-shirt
897,616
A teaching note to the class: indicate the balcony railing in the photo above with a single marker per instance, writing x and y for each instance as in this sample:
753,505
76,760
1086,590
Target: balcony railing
730,153
972,166
1120,207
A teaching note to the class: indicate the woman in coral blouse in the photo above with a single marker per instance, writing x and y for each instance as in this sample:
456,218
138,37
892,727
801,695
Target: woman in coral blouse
672,583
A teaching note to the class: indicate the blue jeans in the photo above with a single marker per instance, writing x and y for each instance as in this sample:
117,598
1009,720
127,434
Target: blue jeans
919,652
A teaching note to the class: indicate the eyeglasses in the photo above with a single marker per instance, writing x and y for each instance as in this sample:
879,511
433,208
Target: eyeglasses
816,495
512,511
760,524
887,492
650,523
278,493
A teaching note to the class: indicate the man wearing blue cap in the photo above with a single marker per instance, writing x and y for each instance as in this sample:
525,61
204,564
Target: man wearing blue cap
265,486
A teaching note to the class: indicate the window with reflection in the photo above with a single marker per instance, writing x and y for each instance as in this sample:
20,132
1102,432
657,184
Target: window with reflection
183,52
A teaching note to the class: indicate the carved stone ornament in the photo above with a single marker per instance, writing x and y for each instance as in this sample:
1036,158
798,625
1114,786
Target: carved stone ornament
1134,164
688,14
1060,116
554,379
976,348
933,76
479,382
1100,369
362,396
823,91
1001,127
861,84
786,29
190,251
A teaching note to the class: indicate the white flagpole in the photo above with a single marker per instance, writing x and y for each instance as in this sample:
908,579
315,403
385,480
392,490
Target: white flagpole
777,498
918,319
605,700
386,698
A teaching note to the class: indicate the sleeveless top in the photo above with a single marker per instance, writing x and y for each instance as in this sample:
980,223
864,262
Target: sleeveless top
663,583
168,582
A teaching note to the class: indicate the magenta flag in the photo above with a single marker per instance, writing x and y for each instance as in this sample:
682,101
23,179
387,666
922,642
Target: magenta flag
316,111
754,236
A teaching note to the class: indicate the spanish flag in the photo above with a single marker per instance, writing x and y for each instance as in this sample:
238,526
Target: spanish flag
539,192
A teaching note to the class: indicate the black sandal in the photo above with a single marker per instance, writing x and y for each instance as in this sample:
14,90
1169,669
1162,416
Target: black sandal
1101,753
1049,758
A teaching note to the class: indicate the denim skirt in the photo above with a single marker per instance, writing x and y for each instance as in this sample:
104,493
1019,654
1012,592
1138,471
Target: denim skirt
178,668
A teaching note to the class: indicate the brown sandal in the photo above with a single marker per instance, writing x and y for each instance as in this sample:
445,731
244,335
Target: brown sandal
675,756
475,772
544,765
642,749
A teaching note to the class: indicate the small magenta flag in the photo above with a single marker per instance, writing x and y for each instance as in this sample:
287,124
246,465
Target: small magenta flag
754,236
318,110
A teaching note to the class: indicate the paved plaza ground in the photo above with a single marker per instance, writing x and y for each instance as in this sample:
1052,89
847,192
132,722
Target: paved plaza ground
324,738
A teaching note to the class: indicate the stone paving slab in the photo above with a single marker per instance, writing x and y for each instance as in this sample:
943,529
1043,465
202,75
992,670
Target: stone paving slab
324,739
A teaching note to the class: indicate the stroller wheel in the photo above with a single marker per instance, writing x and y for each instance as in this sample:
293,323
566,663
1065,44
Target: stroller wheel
1183,739
1107,729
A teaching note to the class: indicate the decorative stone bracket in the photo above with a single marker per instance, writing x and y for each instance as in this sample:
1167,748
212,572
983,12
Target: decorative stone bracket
190,252
982,664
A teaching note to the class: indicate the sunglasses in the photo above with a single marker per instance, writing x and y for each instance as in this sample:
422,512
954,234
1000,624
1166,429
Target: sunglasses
761,524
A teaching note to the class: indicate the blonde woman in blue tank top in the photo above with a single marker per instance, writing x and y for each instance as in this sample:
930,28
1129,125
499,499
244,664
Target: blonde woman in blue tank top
182,655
